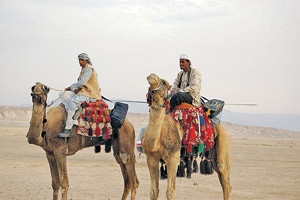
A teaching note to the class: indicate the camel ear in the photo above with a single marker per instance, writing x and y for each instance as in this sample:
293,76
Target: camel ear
166,84
46,89
32,88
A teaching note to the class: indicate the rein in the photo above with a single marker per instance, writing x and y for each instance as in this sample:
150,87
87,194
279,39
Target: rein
52,102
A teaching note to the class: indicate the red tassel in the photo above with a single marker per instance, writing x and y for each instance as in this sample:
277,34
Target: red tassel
97,131
105,133
192,134
106,136
189,147
190,119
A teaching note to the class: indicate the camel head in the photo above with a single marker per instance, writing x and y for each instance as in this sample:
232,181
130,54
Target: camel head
39,93
158,91
39,98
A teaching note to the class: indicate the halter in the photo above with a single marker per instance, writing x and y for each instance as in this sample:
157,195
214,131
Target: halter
153,91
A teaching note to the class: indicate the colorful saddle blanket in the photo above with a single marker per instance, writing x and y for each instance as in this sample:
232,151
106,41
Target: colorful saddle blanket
197,127
94,120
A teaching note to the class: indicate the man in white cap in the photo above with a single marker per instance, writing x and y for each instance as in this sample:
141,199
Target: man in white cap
86,89
187,85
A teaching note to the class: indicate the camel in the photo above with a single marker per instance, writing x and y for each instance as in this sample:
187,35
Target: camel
58,148
162,140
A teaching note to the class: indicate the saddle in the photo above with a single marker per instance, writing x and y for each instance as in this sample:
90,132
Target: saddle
94,120
197,127
198,139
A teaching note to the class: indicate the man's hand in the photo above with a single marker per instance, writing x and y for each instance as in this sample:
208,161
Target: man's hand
68,89
77,90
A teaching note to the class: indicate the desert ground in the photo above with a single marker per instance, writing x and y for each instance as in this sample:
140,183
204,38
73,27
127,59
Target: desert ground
262,168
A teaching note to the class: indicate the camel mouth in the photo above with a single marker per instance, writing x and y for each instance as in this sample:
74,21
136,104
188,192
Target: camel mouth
153,80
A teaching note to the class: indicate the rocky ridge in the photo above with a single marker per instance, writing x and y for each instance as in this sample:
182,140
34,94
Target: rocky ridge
12,113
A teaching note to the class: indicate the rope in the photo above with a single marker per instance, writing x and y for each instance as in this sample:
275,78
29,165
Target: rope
56,99
55,90
52,88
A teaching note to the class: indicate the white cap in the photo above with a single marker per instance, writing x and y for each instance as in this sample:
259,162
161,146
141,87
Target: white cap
183,56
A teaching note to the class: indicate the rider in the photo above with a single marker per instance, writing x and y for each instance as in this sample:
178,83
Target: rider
86,89
187,85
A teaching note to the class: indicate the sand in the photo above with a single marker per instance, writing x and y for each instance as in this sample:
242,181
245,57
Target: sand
262,168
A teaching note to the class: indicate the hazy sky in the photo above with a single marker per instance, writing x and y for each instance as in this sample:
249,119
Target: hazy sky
246,51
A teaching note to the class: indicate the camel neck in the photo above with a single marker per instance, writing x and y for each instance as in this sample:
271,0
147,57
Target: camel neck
153,131
36,125
157,116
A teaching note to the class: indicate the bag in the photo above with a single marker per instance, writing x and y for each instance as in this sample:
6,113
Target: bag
213,107
118,115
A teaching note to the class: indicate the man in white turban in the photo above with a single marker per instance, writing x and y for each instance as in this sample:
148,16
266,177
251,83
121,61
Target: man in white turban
85,89
187,85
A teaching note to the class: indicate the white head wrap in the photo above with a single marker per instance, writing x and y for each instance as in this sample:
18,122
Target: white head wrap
84,56
184,56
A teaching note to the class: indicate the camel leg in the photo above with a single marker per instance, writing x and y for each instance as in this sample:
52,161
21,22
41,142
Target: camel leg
54,174
123,168
172,164
125,177
61,160
222,167
134,182
153,167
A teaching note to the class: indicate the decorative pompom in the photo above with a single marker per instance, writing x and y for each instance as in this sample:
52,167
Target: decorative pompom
202,121
43,133
97,131
189,147
189,168
195,166
182,152
166,171
108,144
106,136
97,149
201,148
90,131
163,173
178,169
209,167
192,133
202,167
167,104
206,167
181,169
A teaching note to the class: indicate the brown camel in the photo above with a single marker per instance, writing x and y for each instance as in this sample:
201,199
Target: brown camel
57,148
162,139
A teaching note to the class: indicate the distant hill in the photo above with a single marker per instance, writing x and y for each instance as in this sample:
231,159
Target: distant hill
12,113
282,121
15,113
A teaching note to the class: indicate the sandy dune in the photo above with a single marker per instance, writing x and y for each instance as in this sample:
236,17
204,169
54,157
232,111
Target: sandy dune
262,168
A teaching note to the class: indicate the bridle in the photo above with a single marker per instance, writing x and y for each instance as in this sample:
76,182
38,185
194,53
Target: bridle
154,91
